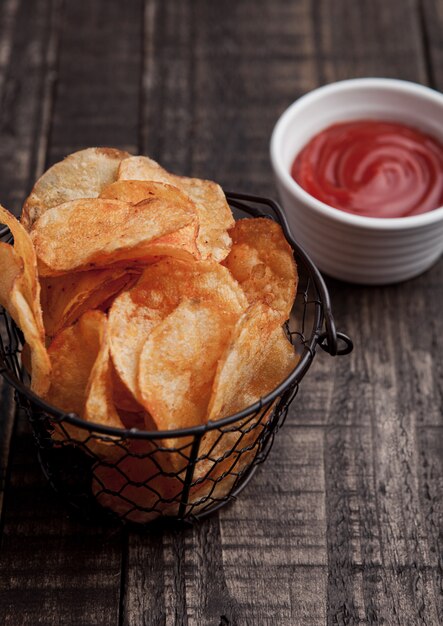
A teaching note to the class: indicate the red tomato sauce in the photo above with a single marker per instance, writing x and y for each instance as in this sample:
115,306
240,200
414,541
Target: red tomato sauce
373,168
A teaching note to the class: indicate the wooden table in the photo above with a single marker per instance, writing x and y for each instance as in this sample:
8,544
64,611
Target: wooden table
344,523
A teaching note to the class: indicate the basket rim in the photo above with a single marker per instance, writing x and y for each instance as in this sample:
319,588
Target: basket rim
322,314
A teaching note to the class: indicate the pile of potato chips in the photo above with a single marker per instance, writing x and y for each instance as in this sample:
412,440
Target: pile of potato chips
144,305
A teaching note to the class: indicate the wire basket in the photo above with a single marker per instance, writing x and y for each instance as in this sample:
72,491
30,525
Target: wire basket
137,475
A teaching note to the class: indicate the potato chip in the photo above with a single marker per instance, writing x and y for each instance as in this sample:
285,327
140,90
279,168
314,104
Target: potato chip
258,359
20,295
24,249
178,363
214,213
82,174
123,399
91,234
73,353
135,191
99,405
12,288
262,261
65,298
143,168
215,216
80,384
159,291
11,267
129,325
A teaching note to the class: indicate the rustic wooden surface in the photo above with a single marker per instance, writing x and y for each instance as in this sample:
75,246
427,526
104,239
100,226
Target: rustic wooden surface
344,523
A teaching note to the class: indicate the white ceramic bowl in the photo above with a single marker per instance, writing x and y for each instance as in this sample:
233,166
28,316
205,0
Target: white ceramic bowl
350,247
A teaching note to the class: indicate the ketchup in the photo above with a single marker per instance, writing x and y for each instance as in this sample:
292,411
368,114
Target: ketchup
373,168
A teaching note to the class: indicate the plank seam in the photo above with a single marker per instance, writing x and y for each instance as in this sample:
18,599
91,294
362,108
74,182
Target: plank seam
426,44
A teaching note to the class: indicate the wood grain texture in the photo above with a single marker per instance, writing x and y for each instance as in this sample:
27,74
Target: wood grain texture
381,568
211,91
54,569
144,601
369,38
343,524
431,13
97,90
381,562
22,75
6,428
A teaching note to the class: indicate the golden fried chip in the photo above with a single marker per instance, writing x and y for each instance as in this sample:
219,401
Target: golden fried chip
178,363
123,399
215,216
99,405
12,288
262,261
73,353
135,191
144,168
214,213
65,298
159,291
20,295
130,323
80,384
24,249
258,359
86,234
11,267
82,174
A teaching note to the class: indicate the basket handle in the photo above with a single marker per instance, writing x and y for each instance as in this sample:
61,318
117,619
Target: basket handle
329,340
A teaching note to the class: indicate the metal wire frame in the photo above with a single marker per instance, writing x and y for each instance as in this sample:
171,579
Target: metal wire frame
135,475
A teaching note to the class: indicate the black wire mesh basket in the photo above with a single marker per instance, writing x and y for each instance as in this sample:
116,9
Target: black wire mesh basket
136,475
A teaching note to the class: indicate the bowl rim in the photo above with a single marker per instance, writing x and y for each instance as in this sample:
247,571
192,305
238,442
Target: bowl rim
350,85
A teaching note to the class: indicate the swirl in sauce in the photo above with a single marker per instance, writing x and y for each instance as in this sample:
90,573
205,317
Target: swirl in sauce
373,168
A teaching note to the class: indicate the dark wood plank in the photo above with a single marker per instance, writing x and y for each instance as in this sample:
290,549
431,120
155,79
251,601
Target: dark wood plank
54,568
369,39
6,428
211,90
98,80
431,493
23,68
432,23
377,529
382,540
144,598
381,568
